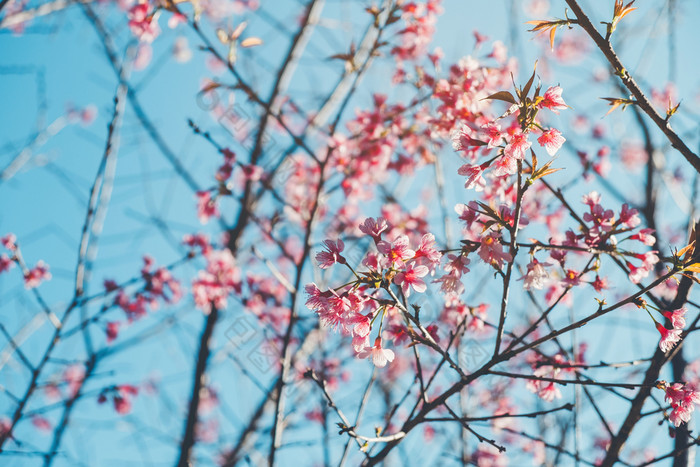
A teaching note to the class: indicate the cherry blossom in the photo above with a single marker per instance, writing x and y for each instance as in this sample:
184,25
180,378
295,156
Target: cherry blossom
410,278
206,206
669,337
677,317
552,100
379,355
397,251
683,400
536,275
143,22
332,256
551,140
35,276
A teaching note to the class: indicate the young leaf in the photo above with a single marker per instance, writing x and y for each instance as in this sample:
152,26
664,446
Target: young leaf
502,96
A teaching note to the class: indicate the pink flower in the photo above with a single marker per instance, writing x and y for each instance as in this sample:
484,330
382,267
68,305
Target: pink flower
677,317
206,207
493,134
457,265
682,399
252,173
548,392
551,140
35,276
552,100
637,273
112,331
221,278
41,423
328,258
411,278
397,251
427,250
462,139
536,275
491,250
9,241
143,23
629,217
450,284
669,337
572,278
122,398
474,176
600,283
379,356
5,263
74,376
518,146
645,236
505,165
374,227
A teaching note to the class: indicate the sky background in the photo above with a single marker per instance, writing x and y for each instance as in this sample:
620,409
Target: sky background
58,62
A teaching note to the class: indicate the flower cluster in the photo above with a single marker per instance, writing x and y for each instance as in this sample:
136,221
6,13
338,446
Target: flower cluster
512,143
143,21
682,399
159,284
121,397
33,277
213,285
355,307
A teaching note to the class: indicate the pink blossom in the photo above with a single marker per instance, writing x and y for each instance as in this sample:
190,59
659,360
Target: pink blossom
518,146
600,284
41,423
493,134
199,240
252,173
143,22
112,331
645,236
629,217
450,284
5,263
572,278
73,376
552,100
396,251
427,250
374,227
36,275
206,207
491,250
5,426
536,275
462,138
682,399
9,241
457,265
379,355
505,165
411,278
669,337
551,140
213,285
474,176
328,258
677,317
548,392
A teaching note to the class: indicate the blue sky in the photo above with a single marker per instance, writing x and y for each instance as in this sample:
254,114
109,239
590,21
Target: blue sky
59,59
